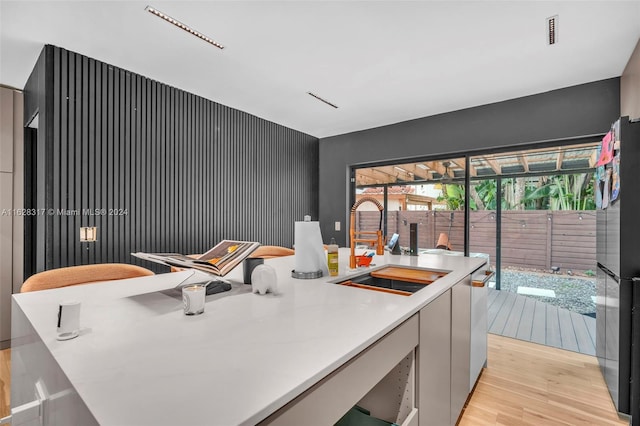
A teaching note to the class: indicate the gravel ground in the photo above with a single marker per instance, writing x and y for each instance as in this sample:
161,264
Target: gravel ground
573,293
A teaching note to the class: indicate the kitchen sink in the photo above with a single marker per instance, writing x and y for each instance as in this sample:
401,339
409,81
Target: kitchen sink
395,280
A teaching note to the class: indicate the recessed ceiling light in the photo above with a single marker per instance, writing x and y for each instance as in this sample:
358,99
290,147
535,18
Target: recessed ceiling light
322,100
182,26
552,30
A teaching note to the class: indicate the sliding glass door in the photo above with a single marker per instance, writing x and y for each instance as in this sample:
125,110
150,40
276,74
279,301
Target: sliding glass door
427,197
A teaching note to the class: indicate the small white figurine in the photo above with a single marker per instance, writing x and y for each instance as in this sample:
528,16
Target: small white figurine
264,280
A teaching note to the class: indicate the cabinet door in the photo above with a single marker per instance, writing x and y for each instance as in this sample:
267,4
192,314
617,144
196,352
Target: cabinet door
460,346
434,367
6,260
478,351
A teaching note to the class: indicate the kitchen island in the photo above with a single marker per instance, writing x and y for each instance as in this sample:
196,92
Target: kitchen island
248,358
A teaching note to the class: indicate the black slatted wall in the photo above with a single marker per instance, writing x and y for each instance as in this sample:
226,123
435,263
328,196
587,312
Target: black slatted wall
158,169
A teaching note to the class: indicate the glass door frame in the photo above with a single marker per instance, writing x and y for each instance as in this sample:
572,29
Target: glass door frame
557,143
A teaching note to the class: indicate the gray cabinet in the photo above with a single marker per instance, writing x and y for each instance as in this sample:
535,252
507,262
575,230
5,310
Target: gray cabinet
460,346
434,360
6,260
479,328
452,351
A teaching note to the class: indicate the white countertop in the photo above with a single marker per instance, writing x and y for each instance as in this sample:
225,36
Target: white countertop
139,359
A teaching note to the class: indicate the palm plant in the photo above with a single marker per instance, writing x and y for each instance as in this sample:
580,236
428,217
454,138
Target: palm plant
565,192
453,194
561,192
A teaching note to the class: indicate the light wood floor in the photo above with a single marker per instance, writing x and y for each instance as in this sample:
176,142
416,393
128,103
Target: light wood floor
5,381
531,384
525,384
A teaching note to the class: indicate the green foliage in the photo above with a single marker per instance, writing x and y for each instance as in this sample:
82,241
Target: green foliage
561,192
589,273
487,190
565,192
453,194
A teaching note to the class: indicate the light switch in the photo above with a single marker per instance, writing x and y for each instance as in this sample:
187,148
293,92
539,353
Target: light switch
338,226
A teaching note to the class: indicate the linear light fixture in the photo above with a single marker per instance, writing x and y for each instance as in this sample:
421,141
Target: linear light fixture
552,30
422,166
182,26
322,100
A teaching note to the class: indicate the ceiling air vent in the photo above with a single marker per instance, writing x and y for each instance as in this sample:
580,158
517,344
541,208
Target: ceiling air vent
322,100
552,30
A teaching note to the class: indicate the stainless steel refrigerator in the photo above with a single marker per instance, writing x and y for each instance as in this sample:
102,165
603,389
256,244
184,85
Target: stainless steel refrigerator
618,257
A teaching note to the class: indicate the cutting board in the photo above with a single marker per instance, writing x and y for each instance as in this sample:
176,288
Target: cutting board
410,275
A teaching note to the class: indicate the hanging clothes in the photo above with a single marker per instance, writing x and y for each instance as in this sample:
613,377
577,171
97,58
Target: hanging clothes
606,150
615,178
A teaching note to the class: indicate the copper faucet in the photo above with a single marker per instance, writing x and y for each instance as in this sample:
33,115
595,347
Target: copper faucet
377,243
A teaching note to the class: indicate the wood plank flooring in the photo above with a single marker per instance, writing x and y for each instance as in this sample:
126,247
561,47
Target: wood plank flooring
525,318
5,382
531,384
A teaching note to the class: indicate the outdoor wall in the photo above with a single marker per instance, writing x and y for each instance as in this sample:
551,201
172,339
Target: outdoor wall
571,112
531,239
154,168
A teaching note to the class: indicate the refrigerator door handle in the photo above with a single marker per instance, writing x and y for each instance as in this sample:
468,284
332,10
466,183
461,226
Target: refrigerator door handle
608,272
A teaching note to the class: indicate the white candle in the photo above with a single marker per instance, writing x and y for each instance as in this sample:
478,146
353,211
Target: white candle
193,299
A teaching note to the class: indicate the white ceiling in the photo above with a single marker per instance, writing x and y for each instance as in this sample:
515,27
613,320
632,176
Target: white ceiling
381,62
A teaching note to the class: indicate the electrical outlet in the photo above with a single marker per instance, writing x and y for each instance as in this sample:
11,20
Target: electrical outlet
337,226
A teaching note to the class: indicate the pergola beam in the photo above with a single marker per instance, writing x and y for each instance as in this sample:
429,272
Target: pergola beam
399,174
375,176
396,172
493,164
593,158
461,164
436,167
560,159
523,162
417,171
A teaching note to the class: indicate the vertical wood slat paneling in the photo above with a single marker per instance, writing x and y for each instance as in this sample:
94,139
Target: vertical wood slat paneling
69,174
57,154
77,171
103,241
188,171
91,154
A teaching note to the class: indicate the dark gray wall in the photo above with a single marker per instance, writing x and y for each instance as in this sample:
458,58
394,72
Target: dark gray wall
173,171
571,112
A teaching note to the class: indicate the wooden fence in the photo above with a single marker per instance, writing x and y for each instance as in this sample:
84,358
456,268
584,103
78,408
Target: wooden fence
536,239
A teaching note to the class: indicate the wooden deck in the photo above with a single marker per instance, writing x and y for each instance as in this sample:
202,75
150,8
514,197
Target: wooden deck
524,318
